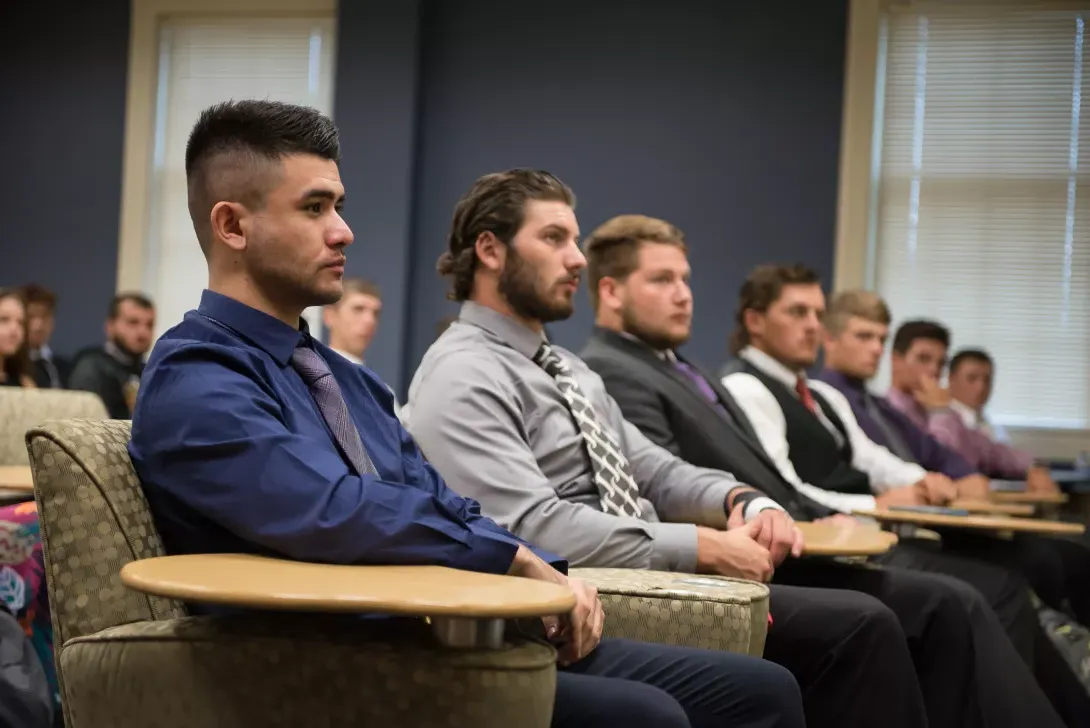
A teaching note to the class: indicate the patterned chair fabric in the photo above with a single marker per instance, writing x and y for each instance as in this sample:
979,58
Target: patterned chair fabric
710,612
125,658
23,408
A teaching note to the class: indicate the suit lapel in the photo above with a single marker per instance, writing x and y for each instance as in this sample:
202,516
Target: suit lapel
644,354
733,416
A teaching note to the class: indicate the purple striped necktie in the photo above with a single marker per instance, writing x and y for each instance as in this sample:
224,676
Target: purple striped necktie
327,395
698,379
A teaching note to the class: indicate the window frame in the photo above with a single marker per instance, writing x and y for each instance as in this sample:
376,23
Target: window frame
140,110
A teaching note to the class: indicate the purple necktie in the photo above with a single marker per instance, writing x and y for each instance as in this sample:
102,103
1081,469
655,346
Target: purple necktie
698,379
327,395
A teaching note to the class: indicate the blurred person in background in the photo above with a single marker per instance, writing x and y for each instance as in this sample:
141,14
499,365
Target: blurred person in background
353,320
112,371
50,371
15,369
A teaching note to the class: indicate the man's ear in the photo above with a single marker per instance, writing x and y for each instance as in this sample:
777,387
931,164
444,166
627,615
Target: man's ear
229,222
754,321
609,293
490,251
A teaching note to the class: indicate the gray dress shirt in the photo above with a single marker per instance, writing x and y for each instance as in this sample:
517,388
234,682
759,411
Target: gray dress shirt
496,427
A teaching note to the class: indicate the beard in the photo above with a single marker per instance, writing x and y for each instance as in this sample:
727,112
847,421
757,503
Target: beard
657,340
518,285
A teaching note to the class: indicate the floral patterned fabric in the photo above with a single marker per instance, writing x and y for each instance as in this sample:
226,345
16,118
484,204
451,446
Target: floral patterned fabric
22,581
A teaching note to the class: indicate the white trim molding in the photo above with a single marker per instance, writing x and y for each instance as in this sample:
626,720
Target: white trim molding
857,133
140,103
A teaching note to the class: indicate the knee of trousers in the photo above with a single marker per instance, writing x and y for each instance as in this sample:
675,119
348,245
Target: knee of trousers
638,705
875,620
772,688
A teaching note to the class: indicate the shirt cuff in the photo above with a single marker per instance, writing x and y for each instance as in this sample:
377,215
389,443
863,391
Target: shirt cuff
757,505
910,474
674,547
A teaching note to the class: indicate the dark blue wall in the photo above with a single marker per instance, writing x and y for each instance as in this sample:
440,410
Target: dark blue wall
722,117
61,134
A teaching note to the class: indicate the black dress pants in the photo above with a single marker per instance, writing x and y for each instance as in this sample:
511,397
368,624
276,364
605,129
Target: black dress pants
1007,591
969,672
1057,569
638,685
849,655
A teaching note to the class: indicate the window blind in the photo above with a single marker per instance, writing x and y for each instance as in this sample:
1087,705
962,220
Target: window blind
203,61
982,192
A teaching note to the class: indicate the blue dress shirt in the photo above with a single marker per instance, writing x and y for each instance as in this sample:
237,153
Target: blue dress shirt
234,456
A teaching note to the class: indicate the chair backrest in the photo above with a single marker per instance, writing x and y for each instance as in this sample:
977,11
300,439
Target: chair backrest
24,407
94,519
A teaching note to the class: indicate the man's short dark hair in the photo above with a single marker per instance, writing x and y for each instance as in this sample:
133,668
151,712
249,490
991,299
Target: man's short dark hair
235,146
967,355
912,331
761,289
139,299
34,294
496,203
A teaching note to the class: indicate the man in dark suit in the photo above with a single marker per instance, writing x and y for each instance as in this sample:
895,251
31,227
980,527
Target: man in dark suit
638,275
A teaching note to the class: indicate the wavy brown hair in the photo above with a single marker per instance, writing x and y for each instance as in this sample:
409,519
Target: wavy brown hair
17,367
496,203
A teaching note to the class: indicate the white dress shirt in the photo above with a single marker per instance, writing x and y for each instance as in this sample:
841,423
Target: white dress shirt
884,469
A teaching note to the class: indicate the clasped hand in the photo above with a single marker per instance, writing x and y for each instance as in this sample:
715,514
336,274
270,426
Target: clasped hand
749,550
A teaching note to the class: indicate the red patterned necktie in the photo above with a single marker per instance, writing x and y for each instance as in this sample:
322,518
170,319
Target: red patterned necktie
805,397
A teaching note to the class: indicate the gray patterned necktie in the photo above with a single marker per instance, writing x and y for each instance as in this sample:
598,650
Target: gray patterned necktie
617,490
327,395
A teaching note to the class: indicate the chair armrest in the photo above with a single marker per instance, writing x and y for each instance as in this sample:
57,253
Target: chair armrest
295,669
709,612
256,582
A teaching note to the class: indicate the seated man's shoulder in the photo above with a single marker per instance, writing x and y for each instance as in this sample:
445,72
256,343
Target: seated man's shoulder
464,356
191,364
739,381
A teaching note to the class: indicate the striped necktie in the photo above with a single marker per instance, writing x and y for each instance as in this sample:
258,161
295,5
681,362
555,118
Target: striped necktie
617,490
327,395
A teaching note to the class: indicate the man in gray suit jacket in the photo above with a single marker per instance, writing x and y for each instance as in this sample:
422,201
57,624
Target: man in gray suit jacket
639,284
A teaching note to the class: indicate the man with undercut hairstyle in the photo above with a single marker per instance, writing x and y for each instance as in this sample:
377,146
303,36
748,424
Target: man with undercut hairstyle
251,436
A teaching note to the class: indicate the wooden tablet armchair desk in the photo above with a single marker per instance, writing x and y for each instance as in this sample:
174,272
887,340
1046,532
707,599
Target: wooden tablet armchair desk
129,653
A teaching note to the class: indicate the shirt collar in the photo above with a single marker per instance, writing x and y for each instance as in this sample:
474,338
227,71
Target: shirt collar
904,401
119,355
257,327
771,367
665,355
349,356
524,340
969,416
842,381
